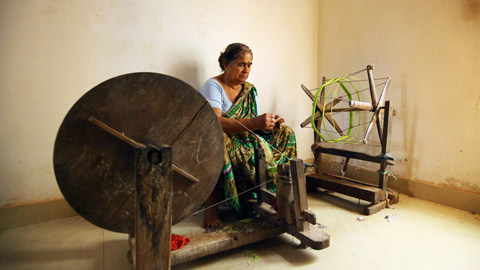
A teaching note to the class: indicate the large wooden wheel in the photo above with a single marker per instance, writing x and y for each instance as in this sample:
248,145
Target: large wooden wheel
96,171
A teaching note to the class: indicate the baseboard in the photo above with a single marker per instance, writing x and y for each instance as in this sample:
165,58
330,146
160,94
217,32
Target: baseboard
449,196
35,212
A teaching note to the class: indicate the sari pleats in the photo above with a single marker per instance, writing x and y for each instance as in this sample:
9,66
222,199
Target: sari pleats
239,161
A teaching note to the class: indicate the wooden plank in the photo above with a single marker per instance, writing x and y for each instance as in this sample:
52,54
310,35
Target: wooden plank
268,197
371,83
267,212
352,154
385,141
299,193
153,222
184,173
379,128
133,143
285,194
367,193
345,165
307,121
393,196
324,109
313,237
115,133
318,115
232,236
260,173
316,138
305,89
332,121
375,208
387,127
309,216
317,155
381,102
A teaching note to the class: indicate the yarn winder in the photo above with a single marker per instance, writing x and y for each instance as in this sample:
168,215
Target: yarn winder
141,152
378,195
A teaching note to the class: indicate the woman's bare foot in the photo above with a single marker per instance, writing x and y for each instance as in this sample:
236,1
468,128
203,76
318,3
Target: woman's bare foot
211,220
210,215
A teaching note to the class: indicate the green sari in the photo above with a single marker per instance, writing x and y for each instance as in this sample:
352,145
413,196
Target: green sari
239,161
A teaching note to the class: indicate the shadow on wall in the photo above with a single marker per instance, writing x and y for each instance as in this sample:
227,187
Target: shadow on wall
188,71
410,126
471,10
276,108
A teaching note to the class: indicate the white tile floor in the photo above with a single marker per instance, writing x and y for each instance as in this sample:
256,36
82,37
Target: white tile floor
422,235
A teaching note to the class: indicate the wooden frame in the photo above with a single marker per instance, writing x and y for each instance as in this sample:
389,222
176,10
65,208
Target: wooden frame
150,247
379,196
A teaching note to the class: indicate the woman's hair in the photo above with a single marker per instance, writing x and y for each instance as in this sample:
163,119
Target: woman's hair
232,52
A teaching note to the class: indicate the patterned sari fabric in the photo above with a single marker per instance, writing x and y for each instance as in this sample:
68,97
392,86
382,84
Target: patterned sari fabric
239,162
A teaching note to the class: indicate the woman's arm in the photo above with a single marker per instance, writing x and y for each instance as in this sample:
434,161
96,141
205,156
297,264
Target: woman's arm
265,121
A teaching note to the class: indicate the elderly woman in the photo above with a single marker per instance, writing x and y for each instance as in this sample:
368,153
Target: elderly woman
234,101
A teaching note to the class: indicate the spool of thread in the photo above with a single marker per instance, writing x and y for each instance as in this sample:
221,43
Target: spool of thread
364,106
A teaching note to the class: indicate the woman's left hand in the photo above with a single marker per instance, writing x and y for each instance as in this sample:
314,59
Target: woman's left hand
278,121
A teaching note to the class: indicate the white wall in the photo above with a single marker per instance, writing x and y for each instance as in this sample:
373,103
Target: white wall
52,52
431,49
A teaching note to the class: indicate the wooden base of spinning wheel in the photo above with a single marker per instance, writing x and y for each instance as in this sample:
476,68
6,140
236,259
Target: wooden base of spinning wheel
150,246
207,243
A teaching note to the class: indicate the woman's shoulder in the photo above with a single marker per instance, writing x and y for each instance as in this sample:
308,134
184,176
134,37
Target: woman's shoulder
213,83
211,87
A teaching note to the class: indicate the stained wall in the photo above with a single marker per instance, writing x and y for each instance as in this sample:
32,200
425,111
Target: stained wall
430,49
52,52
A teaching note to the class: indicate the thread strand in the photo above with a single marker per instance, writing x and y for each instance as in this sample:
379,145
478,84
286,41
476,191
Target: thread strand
229,198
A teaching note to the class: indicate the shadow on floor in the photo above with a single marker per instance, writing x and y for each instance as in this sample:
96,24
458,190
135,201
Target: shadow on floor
350,204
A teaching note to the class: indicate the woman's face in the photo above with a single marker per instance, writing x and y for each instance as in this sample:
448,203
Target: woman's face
238,70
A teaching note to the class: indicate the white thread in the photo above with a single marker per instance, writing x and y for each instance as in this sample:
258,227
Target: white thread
243,192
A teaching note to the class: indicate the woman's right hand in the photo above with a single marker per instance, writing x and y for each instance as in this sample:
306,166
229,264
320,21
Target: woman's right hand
265,121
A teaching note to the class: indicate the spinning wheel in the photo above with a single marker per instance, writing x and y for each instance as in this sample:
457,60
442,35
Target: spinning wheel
328,96
324,107
94,157
142,151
